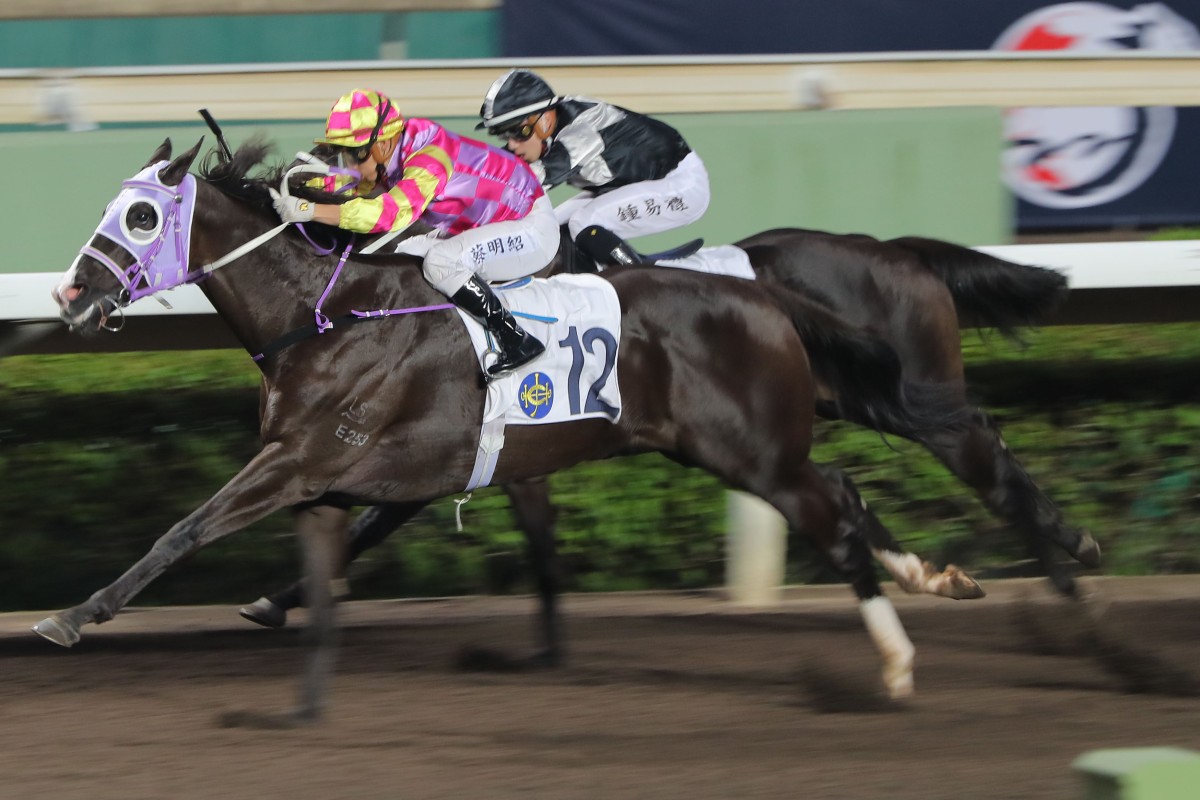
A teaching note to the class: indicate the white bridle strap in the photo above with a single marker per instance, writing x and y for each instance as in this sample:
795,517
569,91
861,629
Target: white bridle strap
238,252
382,240
312,165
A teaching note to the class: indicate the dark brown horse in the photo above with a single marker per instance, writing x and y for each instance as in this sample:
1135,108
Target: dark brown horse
913,293
916,293
712,373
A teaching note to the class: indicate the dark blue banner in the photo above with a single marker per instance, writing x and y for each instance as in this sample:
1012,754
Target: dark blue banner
1069,167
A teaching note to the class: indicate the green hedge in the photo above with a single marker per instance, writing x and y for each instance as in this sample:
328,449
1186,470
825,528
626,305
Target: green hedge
100,454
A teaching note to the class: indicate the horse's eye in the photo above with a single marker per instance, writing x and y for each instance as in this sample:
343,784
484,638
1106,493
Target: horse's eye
141,216
142,222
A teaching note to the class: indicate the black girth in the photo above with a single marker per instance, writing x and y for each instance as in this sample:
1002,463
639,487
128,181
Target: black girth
308,331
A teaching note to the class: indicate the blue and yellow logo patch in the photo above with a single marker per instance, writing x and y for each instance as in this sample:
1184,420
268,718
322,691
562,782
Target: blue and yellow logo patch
536,395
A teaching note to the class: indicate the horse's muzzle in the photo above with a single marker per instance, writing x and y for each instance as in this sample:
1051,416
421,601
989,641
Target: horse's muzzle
77,307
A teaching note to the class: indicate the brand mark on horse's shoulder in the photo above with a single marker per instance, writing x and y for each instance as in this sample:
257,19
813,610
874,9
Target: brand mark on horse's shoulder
350,436
356,412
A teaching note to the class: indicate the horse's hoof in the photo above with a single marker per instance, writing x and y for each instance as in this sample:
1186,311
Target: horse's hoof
901,690
898,680
1088,551
54,630
967,588
1062,581
263,612
958,585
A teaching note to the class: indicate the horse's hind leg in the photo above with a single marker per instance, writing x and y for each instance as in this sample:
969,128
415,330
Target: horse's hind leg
371,528
912,574
978,455
536,515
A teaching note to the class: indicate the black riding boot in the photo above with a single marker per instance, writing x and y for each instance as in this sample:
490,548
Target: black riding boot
606,248
516,346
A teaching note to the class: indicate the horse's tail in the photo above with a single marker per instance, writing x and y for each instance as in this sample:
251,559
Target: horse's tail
990,292
864,374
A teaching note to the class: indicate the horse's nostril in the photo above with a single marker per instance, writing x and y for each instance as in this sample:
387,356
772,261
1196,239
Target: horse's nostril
72,293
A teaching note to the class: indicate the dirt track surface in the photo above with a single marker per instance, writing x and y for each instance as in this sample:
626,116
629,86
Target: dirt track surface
665,696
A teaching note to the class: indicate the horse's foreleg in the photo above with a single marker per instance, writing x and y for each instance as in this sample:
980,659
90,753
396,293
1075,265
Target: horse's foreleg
912,573
978,455
371,528
269,482
321,530
536,515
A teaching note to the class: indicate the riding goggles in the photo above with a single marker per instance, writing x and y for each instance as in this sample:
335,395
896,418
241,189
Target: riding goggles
355,154
518,133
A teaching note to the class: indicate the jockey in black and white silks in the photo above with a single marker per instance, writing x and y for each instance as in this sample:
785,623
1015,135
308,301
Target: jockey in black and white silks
637,174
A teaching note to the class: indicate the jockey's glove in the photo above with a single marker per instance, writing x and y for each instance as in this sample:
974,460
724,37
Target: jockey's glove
293,209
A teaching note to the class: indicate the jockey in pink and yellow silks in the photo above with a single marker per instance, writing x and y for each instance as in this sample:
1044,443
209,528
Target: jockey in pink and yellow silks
491,219
448,181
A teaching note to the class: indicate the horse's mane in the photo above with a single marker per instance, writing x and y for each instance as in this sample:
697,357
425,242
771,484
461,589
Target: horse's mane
231,176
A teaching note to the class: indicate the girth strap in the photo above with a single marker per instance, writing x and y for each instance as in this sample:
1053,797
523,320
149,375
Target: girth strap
306,332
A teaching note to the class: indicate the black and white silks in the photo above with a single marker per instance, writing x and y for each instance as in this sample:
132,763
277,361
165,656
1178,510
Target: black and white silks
599,147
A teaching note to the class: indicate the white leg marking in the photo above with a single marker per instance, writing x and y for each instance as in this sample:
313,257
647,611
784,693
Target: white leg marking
908,570
893,644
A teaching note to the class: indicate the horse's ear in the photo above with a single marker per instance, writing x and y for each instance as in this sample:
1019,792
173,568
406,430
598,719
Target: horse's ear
163,153
173,173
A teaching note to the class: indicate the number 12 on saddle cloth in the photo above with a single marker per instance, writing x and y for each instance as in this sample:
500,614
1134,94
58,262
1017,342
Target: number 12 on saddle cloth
578,317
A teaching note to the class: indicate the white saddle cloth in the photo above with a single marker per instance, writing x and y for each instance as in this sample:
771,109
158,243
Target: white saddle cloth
578,318
724,259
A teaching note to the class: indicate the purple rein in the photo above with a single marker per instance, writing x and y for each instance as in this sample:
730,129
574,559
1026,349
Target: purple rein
323,323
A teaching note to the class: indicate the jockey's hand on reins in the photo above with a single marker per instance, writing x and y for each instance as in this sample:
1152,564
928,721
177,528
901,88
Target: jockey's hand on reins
292,209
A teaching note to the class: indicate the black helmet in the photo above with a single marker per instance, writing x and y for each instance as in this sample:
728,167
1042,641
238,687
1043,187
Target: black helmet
513,97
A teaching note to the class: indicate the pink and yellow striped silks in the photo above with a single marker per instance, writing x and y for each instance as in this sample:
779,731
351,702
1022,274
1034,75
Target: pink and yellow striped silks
446,180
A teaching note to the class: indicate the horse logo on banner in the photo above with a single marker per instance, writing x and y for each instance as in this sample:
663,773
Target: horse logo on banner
1080,157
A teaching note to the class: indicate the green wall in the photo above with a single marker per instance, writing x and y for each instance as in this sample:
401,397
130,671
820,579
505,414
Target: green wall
888,173
250,39
446,34
932,172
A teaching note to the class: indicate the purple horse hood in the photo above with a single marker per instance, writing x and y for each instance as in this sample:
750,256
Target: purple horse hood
152,222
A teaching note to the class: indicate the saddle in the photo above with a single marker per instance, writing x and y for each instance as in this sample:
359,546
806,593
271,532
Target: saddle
576,261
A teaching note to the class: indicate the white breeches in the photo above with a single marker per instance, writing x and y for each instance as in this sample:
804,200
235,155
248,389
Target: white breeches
641,209
500,251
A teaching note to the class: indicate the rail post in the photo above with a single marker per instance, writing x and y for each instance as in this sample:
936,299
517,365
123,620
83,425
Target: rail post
755,551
